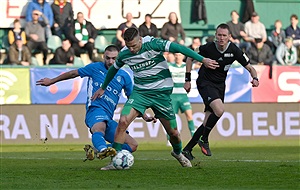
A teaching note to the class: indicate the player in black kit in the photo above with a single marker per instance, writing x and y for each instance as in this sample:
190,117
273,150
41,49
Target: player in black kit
211,84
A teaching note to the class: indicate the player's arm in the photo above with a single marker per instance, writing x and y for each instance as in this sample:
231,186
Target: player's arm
64,76
177,48
253,74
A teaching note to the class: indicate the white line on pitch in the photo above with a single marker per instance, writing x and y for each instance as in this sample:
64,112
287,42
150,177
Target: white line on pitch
145,159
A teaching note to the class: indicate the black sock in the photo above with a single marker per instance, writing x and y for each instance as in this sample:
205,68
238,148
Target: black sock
211,122
195,138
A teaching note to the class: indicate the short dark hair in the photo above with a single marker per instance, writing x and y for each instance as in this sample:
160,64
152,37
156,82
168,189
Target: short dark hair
16,20
148,15
234,11
294,16
224,26
112,48
130,34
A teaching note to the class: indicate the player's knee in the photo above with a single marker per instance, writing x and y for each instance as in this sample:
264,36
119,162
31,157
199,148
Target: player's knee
123,123
174,133
133,146
219,112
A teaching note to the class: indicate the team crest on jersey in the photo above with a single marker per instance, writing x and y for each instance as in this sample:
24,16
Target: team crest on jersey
228,55
119,79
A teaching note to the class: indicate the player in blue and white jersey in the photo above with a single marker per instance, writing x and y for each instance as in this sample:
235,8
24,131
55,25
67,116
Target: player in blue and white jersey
99,113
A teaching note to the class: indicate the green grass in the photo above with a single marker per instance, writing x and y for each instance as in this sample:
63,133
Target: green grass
234,165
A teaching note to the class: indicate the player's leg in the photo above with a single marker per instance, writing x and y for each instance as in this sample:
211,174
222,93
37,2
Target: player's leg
218,110
186,108
130,143
97,128
163,110
171,128
176,104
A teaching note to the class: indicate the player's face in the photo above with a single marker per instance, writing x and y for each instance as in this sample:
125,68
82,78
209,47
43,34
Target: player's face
135,45
222,36
110,58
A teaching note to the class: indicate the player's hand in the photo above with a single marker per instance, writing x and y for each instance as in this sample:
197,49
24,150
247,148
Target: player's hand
209,63
97,94
187,86
149,119
255,83
44,82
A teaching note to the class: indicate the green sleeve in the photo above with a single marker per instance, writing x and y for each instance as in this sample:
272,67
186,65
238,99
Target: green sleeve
109,76
177,48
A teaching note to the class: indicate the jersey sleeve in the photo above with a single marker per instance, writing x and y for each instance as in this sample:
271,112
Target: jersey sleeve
128,85
241,57
86,71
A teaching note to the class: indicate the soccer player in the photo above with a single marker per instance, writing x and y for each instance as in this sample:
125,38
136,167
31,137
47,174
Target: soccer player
211,84
180,100
99,113
152,85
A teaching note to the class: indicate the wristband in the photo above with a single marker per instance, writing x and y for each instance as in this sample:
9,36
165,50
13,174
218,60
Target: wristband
187,77
255,78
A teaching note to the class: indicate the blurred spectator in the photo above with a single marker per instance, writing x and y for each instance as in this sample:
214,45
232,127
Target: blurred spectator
36,34
260,53
195,44
195,47
277,35
172,29
82,35
18,53
148,28
63,17
255,29
286,53
170,57
44,7
121,29
293,30
15,32
63,55
237,31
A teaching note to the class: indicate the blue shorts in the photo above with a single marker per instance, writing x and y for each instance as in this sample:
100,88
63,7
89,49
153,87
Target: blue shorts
95,115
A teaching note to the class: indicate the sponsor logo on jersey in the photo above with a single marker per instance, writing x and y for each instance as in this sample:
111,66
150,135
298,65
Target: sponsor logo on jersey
119,79
228,55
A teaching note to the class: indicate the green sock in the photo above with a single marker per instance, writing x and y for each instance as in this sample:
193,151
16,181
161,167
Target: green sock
191,127
177,148
117,146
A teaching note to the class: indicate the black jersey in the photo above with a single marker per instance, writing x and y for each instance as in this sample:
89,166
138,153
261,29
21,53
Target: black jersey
225,59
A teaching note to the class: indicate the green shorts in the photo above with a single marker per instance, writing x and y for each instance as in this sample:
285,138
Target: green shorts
159,102
180,102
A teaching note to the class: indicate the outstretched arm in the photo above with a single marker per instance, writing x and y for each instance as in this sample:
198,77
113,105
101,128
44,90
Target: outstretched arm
64,76
209,63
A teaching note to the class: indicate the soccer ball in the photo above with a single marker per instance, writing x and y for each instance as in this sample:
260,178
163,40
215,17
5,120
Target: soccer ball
123,160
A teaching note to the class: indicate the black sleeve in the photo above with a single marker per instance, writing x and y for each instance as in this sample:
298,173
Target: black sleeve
240,56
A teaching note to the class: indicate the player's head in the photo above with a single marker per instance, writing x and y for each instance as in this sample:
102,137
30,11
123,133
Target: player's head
133,40
179,58
222,35
110,54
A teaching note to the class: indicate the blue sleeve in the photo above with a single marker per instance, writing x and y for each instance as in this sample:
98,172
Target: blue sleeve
29,12
86,71
128,86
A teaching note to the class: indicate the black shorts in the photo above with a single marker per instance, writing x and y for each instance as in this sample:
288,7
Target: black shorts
210,91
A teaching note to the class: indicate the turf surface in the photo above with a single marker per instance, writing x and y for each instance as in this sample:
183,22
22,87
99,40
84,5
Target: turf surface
234,165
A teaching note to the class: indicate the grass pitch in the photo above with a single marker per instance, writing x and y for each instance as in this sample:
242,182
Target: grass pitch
234,165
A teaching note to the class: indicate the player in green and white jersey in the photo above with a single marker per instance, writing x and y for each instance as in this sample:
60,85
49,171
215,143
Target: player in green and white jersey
180,100
153,85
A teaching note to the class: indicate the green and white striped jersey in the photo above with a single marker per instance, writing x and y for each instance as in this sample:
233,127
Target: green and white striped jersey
149,66
178,76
